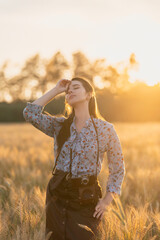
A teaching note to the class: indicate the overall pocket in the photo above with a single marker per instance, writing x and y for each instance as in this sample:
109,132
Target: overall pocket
55,180
90,194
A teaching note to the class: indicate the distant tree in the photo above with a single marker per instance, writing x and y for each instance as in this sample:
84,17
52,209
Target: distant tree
54,69
38,75
81,66
34,77
3,81
30,72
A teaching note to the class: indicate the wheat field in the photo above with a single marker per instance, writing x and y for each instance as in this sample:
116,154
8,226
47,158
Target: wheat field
26,161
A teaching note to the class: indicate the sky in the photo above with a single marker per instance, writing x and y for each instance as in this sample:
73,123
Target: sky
111,29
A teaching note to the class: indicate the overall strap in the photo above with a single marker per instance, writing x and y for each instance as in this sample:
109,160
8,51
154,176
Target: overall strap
97,144
53,170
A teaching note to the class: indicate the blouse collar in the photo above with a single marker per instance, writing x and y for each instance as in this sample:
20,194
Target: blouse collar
87,123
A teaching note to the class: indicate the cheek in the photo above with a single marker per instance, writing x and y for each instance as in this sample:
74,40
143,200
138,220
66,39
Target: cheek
80,95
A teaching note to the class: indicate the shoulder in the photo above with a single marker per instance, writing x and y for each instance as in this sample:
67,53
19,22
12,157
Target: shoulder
104,124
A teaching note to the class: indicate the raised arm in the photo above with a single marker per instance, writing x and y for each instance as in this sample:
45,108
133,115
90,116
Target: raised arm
115,163
45,123
33,111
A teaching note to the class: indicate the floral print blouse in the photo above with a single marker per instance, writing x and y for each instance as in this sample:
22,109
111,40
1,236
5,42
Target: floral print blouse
84,146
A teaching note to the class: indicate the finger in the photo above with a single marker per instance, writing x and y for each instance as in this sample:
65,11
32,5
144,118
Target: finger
102,216
67,81
99,214
97,207
64,79
67,84
96,213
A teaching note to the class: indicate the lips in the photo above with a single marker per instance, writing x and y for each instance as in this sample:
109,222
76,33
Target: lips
71,96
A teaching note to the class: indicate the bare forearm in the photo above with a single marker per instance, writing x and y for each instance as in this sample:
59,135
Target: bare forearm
47,97
108,197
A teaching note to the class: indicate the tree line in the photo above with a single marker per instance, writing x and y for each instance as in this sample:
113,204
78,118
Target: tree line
124,101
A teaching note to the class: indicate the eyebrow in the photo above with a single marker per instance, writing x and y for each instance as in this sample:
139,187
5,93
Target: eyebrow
76,84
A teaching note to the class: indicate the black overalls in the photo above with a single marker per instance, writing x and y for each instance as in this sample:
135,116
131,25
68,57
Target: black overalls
64,213
66,217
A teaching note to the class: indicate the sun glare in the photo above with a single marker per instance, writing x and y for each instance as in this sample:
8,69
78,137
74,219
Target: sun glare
138,34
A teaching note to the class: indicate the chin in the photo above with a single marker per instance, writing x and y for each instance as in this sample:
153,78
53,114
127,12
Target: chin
72,104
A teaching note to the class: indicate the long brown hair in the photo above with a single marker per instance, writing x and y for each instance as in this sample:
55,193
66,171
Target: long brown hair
64,132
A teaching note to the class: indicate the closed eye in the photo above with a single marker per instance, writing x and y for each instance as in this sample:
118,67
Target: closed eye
74,88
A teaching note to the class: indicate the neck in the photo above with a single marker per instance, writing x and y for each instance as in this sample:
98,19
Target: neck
81,113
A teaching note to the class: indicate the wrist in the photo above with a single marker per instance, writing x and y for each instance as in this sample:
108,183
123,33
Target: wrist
108,197
55,90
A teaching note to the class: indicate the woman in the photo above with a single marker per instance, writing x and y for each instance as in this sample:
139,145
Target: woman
74,203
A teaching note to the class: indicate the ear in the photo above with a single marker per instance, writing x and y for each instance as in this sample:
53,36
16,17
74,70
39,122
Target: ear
89,95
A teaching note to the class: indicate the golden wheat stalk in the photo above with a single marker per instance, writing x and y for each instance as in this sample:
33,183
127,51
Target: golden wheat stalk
48,235
86,228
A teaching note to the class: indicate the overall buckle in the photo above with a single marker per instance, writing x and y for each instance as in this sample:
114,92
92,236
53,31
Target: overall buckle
84,180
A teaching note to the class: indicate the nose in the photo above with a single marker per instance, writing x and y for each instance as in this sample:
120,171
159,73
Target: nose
69,91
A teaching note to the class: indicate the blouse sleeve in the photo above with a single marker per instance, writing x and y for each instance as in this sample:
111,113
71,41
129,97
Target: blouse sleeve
116,163
45,123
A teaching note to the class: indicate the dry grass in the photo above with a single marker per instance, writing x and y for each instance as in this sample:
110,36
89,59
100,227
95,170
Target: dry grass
26,161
